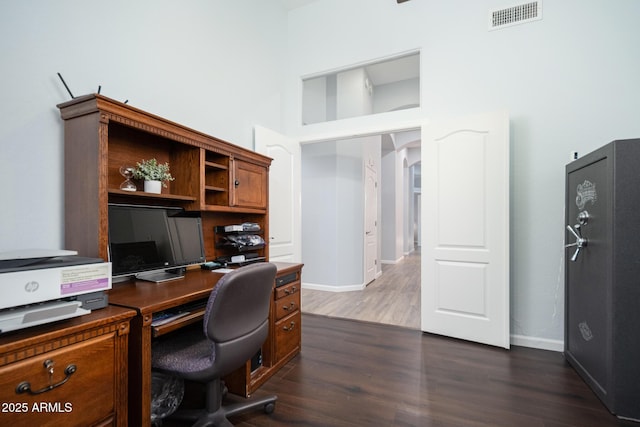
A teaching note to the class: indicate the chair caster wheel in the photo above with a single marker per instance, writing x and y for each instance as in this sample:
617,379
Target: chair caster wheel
269,408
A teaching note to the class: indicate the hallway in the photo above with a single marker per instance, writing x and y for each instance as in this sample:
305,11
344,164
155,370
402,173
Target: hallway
393,298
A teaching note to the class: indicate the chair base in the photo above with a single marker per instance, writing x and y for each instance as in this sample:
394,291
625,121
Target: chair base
218,418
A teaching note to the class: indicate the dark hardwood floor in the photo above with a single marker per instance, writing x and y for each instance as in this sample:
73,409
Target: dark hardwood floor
354,373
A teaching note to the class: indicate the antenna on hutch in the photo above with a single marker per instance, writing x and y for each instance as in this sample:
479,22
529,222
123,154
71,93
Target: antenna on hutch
65,85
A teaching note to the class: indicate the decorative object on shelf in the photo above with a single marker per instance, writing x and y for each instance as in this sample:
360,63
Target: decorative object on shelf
243,242
127,173
153,186
154,174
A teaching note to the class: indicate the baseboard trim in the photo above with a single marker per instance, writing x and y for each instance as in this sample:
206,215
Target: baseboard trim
391,261
538,343
332,288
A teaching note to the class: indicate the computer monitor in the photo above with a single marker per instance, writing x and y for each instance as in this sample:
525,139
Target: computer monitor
148,241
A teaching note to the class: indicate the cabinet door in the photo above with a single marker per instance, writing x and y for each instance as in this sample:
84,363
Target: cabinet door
250,183
86,397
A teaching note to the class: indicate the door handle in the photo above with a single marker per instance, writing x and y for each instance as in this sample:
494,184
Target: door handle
580,242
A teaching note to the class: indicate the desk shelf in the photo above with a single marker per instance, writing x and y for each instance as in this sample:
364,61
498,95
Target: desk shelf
132,195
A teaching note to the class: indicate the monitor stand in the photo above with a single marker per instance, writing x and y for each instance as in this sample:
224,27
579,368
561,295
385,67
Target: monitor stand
161,276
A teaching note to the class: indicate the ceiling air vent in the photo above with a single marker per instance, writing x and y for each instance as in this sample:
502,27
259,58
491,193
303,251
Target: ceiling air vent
514,15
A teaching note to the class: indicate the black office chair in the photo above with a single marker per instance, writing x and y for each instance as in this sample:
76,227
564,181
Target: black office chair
235,327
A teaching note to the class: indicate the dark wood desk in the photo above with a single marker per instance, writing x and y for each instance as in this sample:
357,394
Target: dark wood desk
148,298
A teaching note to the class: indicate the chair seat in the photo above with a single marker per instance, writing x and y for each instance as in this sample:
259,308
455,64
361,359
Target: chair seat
189,354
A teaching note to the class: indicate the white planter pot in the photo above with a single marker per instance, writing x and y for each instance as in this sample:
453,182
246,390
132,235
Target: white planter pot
153,187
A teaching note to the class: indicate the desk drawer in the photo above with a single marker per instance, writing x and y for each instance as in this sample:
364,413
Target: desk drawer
87,398
288,335
288,290
286,306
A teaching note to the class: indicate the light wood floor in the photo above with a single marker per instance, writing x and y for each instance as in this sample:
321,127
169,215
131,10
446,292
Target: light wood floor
393,298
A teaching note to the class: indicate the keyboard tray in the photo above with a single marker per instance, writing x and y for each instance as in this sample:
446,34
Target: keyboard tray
192,317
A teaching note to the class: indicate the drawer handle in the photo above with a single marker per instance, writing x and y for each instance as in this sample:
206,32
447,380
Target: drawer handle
290,327
290,291
291,306
25,386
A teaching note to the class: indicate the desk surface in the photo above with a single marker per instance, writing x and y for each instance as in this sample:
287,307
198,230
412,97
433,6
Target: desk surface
149,297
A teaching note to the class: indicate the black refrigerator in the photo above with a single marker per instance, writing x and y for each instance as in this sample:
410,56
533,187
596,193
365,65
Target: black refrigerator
602,274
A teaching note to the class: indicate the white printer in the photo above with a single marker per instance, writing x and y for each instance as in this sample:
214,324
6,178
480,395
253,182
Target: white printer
42,286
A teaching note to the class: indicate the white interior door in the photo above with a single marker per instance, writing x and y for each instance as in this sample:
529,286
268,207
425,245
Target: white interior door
284,193
370,223
465,228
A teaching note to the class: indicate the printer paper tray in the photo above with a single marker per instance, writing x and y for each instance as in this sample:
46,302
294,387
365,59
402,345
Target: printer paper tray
24,317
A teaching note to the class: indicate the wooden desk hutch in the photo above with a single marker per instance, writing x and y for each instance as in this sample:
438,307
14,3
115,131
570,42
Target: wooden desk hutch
226,183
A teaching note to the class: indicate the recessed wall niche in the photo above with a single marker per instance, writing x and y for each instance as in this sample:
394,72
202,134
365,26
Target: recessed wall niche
378,87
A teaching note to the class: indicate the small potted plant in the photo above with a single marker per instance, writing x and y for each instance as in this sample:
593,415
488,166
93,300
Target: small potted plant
154,174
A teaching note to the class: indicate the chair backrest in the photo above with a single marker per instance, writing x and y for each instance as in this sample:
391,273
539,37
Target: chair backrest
239,303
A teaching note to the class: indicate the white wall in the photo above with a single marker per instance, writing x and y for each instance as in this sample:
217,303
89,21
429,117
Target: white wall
314,100
392,220
569,81
214,66
393,96
352,99
349,209
319,216
333,212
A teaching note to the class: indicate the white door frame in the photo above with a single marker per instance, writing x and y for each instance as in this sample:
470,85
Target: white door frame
362,130
366,128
